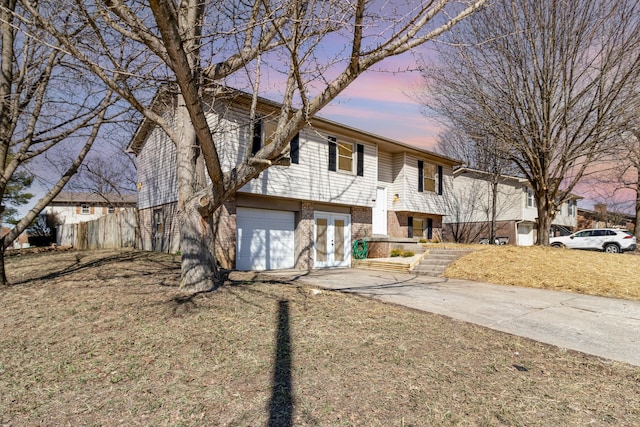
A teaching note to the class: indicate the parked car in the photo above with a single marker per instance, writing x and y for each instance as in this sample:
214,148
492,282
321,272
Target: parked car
610,240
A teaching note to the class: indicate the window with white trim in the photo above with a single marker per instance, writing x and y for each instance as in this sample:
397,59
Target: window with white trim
571,207
85,209
270,128
345,156
531,200
429,176
263,135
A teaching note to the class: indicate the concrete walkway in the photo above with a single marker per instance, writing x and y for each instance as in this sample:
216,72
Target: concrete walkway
605,327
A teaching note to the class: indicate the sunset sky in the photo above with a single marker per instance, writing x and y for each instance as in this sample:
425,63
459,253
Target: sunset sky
383,103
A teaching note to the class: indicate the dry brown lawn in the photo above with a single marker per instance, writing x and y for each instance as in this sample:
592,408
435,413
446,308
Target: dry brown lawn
106,338
593,273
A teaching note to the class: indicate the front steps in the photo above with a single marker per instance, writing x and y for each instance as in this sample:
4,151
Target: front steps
437,261
375,264
431,263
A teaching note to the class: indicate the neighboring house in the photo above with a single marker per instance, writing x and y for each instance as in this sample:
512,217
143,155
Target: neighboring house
601,217
21,242
470,207
343,184
73,208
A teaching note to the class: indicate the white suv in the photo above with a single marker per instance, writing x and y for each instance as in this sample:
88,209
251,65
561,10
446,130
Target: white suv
599,239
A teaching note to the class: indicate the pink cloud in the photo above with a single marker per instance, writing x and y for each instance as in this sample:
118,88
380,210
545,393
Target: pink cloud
381,103
384,87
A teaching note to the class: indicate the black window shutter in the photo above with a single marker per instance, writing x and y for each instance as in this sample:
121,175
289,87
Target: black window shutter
429,228
410,226
333,152
295,149
420,177
360,150
440,179
257,136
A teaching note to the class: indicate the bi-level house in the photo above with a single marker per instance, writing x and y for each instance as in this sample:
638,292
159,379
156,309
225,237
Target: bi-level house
471,205
343,184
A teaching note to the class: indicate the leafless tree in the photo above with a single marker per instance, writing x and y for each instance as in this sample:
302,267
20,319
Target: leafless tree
480,151
547,80
47,103
630,175
621,175
317,47
109,173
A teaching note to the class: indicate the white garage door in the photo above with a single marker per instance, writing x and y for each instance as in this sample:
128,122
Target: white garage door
265,239
525,235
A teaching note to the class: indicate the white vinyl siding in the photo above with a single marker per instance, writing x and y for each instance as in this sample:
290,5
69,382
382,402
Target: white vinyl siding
566,215
312,180
157,183
233,141
385,167
415,201
398,181
470,200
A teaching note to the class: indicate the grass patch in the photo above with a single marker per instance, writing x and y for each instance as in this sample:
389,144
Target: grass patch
104,338
586,272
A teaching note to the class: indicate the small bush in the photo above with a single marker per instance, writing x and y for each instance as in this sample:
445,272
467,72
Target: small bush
423,240
399,252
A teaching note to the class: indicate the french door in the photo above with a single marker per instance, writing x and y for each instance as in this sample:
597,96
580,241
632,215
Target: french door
332,238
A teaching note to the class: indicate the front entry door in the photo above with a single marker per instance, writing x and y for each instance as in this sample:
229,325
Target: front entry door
332,234
380,212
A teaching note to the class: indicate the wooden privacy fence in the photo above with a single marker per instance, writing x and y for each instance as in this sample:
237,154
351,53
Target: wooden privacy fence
113,231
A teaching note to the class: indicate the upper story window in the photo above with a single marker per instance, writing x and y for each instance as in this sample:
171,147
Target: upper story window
263,135
343,156
268,132
571,207
85,209
429,177
531,201
111,209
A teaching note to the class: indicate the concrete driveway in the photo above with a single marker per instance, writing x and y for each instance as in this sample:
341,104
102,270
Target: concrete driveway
605,327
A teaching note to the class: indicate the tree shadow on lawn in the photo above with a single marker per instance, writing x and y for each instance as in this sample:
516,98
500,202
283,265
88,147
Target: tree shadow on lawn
78,265
281,405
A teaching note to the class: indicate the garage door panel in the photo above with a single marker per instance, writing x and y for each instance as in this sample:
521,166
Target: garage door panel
265,239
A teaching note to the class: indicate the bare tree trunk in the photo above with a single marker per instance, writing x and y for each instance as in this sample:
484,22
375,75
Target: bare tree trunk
3,276
636,229
199,270
494,206
196,232
546,213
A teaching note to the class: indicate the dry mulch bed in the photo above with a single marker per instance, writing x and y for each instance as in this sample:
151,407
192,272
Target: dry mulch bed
106,338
